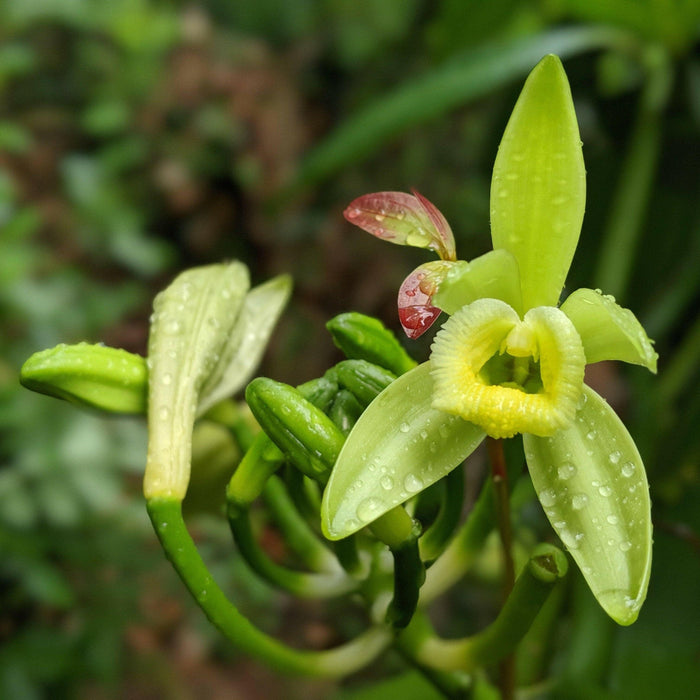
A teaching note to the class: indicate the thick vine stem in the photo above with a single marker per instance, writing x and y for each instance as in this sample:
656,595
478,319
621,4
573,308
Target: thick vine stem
546,567
297,533
300,583
437,536
166,516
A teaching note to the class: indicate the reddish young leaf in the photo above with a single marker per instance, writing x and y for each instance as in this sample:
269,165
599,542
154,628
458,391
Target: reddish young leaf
416,313
403,219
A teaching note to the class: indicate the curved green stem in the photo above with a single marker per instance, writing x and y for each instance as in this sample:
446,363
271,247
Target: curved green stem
437,536
261,461
166,515
299,583
297,533
547,566
463,549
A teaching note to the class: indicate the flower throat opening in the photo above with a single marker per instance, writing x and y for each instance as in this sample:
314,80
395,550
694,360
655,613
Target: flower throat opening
505,370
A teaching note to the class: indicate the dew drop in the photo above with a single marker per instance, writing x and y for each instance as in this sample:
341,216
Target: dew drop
353,213
412,483
571,540
628,469
404,427
566,471
548,497
386,482
579,501
167,379
368,509
424,434
615,457
591,435
625,546
612,519
604,491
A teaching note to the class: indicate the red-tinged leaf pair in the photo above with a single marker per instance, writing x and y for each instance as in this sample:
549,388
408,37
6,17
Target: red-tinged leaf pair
412,220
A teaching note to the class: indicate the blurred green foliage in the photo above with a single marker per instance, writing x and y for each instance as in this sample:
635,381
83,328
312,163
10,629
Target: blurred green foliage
138,137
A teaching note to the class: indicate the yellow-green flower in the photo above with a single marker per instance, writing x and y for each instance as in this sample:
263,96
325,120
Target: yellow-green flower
509,359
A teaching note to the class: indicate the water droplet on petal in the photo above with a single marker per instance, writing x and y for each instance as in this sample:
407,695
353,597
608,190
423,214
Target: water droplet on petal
604,491
579,501
615,457
566,471
612,519
412,483
387,483
548,497
404,427
368,509
625,546
628,469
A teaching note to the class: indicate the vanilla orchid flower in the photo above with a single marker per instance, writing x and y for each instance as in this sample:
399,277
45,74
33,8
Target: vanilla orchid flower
510,359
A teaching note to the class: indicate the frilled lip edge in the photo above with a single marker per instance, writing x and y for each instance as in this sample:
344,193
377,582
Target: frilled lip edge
488,327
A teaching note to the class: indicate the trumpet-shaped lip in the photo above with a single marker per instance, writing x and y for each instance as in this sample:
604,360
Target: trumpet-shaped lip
488,328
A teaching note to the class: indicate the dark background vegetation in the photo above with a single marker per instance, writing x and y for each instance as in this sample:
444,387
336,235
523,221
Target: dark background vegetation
140,137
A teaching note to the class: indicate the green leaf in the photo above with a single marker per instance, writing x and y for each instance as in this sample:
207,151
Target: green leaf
591,482
192,321
607,330
261,309
474,73
398,447
493,275
538,190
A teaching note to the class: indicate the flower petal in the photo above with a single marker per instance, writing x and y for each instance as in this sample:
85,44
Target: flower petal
538,190
403,219
416,311
245,345
192,320
591,482
398,447
608,331
493,275
488,329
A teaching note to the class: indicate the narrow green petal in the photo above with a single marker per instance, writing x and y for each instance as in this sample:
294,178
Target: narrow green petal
261,309
191,322
506,375
398,447
538,190
592,485
493,275
607,330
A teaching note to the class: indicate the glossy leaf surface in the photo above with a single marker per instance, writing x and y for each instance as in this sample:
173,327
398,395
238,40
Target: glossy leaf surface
398,447
538,189
608,331
591,482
